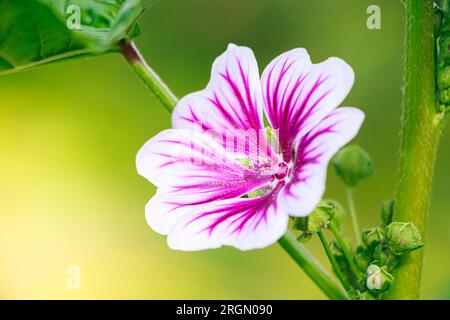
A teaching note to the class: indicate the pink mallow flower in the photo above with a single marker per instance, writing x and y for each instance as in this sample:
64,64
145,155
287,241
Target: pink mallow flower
211,192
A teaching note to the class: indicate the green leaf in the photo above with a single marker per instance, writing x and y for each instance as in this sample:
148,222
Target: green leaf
35,32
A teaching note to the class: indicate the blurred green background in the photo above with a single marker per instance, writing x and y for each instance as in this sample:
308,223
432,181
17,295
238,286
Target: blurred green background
69,133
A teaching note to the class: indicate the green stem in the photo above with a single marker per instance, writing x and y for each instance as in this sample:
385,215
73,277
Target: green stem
421,127
312,268
148,76
345,250
333,261
353,216
445,5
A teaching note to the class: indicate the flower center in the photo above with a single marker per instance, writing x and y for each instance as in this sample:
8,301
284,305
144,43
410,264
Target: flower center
282,171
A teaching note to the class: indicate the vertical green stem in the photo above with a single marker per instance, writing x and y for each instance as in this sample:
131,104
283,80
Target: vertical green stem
333,261
419,140
353,216
445,5
311,267
148,76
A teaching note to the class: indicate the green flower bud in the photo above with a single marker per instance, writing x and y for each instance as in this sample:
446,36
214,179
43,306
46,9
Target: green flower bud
403,237
378,279
352,165
444,96
387,212
317,220
443,76
336,210
381,254
361,258
373,237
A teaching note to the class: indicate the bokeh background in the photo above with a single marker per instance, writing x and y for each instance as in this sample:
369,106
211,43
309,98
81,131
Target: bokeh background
69,133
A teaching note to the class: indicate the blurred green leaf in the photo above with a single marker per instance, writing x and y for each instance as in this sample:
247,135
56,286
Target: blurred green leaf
34,32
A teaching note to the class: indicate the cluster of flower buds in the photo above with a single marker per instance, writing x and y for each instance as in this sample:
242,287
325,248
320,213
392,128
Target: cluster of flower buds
380,251
370,266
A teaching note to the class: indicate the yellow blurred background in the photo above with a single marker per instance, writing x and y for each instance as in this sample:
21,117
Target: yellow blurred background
69,133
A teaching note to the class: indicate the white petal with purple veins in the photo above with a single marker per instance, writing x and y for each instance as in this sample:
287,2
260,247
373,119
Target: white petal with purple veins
314,151
232,99
298,94
231,104
242,223
191,168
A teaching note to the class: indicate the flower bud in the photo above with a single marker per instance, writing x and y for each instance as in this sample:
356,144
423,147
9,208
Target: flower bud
403,237
352,165
313,223
373,237
378,278
444,96
443,76
381,254
336,210
318,219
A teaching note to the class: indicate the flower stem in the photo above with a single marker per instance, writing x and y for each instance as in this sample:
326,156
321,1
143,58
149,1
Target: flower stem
348,256
353,216
312,268
148,76
333,261
445,5
421,127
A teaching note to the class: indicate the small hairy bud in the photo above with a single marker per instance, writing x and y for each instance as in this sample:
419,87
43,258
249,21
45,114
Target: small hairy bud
318,219
336,210
403,237
373,237
378,278
380,254
352,165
